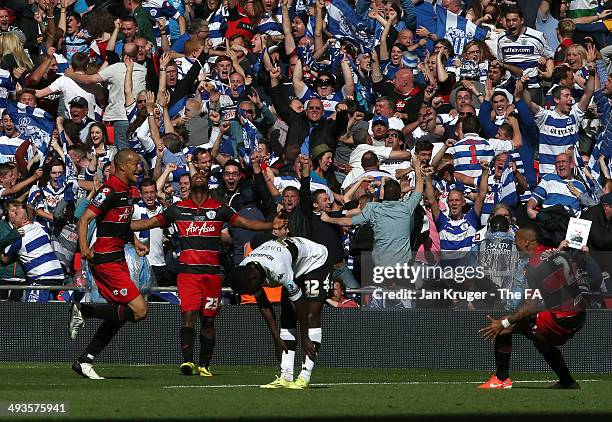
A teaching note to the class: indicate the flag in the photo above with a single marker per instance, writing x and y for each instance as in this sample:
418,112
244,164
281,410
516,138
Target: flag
457,29
250,138
6,83
176,108
589,183
601,148
507,186
301,7
343,22
34,124
217,24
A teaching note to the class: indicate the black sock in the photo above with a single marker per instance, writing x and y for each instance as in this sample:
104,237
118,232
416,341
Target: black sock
503,350
555,360
207,345
107,312
291,344
101,339
187,340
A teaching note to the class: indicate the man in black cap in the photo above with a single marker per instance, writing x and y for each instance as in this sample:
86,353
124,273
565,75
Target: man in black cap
77,127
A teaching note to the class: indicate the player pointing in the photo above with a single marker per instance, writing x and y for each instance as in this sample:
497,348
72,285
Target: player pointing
199,221
302,268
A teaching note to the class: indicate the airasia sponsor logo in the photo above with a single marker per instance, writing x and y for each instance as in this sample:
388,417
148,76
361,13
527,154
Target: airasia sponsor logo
199,229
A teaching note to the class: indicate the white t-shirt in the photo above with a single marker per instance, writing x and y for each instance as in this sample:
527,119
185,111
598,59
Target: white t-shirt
153,238
115,76
394,123
71,89
281,270
355,158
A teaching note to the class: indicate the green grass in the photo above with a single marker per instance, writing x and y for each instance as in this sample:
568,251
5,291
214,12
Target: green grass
143,392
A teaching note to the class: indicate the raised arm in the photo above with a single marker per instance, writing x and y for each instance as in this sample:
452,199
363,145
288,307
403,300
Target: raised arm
377,75
112,42
429,192
438,157
482,187
289,41
589,88
347,73
384,48
319,44
299,87
145,224
127,83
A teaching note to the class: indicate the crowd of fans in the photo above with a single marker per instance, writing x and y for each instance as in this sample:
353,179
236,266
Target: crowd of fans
315,109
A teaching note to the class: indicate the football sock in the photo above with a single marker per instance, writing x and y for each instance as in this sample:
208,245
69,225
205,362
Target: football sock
188,335
503,350
107,312
288,357
207,345
315,335
555,360
102,337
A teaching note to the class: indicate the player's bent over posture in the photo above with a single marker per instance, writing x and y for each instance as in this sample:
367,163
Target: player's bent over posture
112,208
199,221
302,268
549,324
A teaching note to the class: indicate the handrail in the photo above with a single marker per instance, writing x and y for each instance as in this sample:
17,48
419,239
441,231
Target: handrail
173,289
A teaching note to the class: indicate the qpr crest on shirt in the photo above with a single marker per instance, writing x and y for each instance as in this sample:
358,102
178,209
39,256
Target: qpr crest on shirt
211,214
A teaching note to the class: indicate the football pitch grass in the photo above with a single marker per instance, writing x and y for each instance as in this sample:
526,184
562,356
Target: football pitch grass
161,393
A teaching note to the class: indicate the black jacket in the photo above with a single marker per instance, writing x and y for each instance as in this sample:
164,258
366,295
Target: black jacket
327,131
323,233
600,237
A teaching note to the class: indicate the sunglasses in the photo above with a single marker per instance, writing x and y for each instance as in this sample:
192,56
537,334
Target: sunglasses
324,82
315,108
466,113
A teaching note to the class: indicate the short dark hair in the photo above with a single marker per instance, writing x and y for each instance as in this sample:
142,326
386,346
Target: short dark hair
231,163
393,190
200,151
556,92
147,181
74,15
130,19
79,61
173,142
532,227
507,127
423,145
245,278
369,159
470,124
560,72
513,9
315,195
290,189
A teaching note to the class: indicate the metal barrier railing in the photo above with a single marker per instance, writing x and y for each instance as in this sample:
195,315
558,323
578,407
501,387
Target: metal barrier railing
173,289
152,289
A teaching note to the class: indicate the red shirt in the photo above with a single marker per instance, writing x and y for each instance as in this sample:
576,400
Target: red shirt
238,23
113,206
199,229
553,274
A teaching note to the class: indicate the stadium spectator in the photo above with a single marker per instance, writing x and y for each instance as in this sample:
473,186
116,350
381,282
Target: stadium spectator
205,88
33,250
339,299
